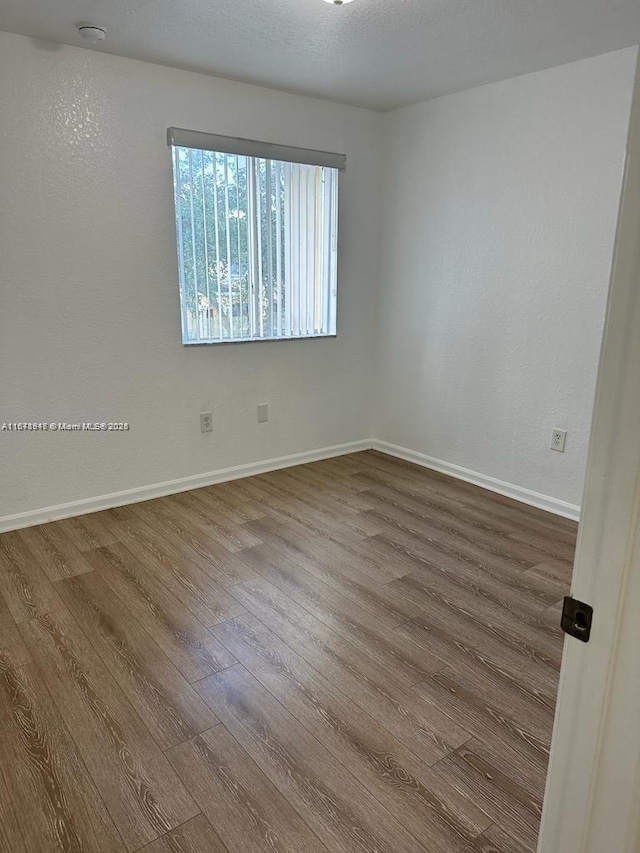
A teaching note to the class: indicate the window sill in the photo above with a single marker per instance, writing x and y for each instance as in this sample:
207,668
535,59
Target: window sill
257,340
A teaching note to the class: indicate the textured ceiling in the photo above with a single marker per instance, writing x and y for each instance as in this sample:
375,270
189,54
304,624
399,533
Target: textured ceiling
374,53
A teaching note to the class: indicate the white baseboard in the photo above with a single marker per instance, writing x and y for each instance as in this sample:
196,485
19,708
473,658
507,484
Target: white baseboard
510,490
171,487
196,481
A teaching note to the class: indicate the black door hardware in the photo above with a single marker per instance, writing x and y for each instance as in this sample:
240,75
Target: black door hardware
576,619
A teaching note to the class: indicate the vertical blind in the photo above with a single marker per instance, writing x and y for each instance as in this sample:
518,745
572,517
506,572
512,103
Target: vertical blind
257,246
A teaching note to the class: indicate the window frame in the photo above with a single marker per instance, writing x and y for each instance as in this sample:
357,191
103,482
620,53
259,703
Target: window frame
281,155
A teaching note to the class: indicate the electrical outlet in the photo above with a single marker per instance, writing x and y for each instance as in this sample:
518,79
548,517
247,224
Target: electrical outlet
558,440
206,422
263,413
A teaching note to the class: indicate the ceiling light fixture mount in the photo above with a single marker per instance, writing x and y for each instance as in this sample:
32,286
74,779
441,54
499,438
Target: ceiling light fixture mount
338,2
91,32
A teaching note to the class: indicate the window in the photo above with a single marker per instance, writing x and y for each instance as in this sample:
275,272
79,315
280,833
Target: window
256,229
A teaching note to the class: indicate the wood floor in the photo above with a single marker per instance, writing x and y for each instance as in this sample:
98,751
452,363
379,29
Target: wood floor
352,655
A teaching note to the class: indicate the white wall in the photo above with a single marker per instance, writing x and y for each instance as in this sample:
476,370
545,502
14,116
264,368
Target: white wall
89,312
498,231
493,261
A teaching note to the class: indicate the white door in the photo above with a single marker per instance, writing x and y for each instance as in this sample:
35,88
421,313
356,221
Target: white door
592,804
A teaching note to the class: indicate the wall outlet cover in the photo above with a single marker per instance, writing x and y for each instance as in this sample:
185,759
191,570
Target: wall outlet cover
558,440
206,422
263,413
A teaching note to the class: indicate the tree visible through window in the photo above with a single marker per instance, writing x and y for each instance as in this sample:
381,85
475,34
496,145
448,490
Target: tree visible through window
256,247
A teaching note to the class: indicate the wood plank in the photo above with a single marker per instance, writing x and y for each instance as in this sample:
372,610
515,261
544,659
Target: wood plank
557,578
188,517
169,706
11,838
13,651
277,491
388,557
504,555
489,723
503,581
553,615
298,544
341,812
56,555
431,808
302,522
524,594
548,547
533,718
351,528
374,633
495,720
55,805
144,796
174,543
521,627
424,486
379,599
555,570
423,504
170,622
87,531
249,813
181,573
339,466
341,491
194,836
25,587
454,642
496,840
229,500
427,484
492,752
211,521
510,655
447,498
425,730
516,810
284,497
